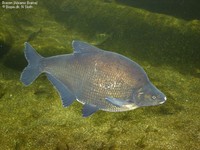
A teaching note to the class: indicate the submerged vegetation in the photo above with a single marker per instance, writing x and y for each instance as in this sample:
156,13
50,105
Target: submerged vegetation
165,44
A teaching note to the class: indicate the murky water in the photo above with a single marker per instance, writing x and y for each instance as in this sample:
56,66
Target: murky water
163,41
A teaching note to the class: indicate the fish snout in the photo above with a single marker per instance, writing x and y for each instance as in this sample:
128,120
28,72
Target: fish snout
149,95
161,98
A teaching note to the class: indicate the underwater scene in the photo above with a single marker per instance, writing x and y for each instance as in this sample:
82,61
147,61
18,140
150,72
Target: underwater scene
158,38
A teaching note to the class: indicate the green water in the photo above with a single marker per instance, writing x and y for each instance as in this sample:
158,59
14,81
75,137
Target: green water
164,41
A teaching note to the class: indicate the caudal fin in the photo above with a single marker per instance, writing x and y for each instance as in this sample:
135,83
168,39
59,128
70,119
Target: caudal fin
32,71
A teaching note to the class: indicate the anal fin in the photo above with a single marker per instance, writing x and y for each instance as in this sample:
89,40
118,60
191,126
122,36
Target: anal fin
66,95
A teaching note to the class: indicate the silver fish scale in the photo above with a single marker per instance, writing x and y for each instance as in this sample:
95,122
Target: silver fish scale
66,70
98,79
101,80
97,88
94,77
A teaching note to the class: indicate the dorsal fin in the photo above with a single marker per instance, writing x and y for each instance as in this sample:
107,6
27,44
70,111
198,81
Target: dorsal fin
82,47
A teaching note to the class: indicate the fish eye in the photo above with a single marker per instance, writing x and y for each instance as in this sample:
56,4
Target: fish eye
153,97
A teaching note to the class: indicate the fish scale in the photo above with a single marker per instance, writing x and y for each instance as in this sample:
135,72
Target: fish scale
93,91
100,80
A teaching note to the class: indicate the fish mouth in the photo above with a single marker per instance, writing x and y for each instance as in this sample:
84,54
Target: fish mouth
165,98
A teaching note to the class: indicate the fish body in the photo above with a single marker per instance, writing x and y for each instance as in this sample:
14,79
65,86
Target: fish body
100,80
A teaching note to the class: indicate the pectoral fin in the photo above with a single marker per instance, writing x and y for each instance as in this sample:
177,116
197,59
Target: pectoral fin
117,102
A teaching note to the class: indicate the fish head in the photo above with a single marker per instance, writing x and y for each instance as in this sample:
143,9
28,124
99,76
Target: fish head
148,95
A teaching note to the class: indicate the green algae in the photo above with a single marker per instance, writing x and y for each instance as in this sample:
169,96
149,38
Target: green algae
167,48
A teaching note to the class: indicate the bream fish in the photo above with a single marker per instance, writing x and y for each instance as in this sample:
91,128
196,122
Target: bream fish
100,80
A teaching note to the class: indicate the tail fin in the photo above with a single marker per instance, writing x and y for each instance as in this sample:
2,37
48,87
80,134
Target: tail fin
32,71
